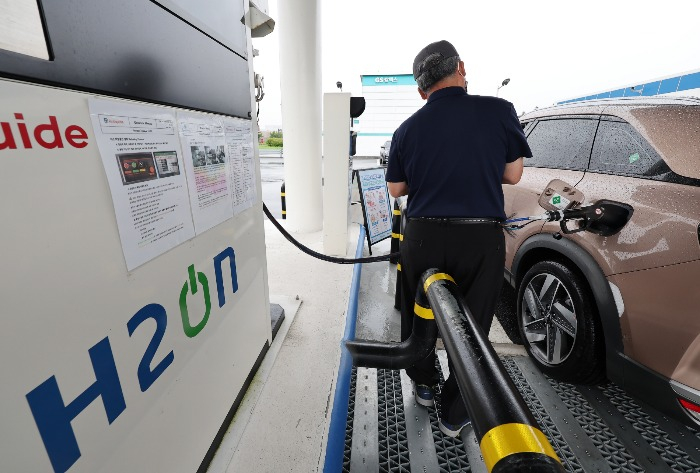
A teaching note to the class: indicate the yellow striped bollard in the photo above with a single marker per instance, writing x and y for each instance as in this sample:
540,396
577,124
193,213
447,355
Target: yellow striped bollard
283,195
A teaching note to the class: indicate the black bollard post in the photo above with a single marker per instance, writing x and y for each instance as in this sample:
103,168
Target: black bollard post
395,231
283,195
397,291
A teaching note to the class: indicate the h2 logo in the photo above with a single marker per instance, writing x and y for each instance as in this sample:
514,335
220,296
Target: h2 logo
51,414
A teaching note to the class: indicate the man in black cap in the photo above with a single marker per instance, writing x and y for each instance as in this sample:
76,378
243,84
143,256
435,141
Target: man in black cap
450,158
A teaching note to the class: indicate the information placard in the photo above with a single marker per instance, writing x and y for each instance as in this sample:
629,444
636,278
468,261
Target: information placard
239,144
208,175
141,154
376,207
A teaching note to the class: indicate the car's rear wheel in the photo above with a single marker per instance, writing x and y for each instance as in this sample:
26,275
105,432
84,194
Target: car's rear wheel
559,324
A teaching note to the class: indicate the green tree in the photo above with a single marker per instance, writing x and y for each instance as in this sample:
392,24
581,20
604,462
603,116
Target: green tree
275,142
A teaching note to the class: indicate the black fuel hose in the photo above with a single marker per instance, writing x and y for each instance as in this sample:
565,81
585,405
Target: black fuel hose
321,256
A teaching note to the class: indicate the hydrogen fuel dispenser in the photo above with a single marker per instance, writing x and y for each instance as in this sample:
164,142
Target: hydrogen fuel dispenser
134,286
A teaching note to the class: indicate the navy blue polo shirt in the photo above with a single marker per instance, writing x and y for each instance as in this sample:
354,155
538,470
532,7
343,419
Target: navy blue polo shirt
452,154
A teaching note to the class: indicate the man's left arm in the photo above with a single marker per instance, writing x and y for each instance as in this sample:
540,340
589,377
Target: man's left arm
518,149
396,179
397,189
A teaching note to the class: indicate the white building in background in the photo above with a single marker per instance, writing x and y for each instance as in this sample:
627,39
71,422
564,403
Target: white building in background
389,99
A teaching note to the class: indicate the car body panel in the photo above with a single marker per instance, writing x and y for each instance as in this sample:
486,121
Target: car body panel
662,230
663,339
521,201
643,278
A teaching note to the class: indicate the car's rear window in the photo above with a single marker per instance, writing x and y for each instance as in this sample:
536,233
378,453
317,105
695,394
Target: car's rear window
675,133
620,149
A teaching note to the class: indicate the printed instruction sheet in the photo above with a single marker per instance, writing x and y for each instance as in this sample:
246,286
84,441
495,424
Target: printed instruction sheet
239,145
207,167
143,161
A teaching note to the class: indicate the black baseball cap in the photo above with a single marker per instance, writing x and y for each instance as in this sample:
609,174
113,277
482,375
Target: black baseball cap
444,48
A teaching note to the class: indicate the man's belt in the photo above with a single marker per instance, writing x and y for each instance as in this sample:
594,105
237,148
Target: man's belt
455,220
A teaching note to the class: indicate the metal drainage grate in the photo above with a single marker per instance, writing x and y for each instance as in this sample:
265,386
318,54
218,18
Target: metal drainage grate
451,455
566,455
612,449
349,422
592,429
659,439
393,443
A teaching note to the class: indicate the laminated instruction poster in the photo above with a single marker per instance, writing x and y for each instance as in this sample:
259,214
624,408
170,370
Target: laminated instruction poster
239,146
375,204
207,168
141,155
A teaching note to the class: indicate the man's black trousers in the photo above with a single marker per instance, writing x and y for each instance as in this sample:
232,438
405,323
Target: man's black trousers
474,255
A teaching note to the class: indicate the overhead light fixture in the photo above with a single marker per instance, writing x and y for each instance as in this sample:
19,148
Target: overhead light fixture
260,23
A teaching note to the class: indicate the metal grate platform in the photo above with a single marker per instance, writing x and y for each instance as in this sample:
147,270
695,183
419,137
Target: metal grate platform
592,429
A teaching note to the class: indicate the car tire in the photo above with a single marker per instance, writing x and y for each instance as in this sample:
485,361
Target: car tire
559,324
506,313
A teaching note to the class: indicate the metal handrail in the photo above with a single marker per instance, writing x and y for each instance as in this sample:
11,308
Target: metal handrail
506,430
393,355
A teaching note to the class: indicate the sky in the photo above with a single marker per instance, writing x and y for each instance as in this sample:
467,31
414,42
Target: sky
551,50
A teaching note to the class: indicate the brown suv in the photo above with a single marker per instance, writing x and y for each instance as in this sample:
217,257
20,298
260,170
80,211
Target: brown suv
625,306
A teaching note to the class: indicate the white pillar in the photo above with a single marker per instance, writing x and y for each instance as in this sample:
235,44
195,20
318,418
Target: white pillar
300,85
336,194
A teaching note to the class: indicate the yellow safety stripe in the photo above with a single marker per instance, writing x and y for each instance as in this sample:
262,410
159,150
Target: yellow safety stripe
397,235
423,312
509,439
436,277
398,267
397,212
284,211
283,194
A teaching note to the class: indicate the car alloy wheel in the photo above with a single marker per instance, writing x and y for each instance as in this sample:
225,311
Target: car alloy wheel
559,323
549,319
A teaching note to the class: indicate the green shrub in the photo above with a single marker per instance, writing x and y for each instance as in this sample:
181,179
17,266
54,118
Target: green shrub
275,142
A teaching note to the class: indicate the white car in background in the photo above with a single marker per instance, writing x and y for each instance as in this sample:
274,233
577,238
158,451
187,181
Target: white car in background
384,153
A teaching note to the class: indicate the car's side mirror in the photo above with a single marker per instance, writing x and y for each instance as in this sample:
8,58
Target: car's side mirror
558,195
